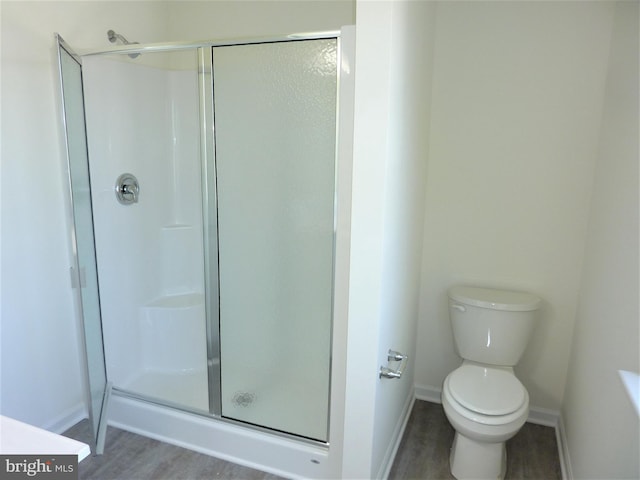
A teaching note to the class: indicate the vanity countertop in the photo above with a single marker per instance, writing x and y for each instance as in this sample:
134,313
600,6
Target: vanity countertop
18,438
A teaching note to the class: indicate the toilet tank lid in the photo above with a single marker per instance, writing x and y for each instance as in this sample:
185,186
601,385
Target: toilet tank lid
495,299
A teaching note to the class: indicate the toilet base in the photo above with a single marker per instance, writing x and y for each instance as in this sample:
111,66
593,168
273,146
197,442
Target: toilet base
477,460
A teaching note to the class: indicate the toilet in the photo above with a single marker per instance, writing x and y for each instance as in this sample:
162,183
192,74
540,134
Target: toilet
483,399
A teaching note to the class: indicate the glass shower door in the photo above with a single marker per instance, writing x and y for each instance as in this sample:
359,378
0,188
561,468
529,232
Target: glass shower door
275,130
85,274
143,124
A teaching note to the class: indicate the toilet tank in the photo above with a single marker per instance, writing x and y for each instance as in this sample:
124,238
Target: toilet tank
491,326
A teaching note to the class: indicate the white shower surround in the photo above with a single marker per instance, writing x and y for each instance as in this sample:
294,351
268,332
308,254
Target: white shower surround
118,255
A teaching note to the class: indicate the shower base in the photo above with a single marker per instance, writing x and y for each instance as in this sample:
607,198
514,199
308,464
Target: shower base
288,402
229,441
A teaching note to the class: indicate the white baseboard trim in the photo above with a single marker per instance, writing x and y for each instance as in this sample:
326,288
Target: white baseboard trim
66,420
398,433
537,415
563,450
544,416
428,394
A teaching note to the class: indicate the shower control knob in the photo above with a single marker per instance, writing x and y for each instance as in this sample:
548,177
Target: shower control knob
127,189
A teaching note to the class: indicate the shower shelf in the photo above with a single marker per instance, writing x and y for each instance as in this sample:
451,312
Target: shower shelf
172,329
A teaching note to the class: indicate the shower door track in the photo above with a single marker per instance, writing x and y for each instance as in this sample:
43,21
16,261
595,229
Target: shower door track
189,45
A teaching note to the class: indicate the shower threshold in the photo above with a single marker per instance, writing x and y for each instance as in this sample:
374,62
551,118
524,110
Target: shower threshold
245,445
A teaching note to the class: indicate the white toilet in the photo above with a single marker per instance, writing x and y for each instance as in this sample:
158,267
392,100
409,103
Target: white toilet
484,401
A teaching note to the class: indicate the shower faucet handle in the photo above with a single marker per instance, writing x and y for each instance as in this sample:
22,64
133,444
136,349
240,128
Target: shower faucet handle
127,189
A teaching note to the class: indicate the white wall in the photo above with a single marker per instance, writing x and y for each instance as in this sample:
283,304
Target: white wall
601,425
517,95
410,74
366,237
232,18
391,116
41,358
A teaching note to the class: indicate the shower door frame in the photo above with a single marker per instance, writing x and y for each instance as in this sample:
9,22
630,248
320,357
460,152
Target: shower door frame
210,229
98,387
204,50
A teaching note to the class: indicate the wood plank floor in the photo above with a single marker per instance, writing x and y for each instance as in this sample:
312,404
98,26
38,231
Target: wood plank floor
128,456
424,451
423,454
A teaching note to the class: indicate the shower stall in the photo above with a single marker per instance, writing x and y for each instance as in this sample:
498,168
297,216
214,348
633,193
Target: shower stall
207,198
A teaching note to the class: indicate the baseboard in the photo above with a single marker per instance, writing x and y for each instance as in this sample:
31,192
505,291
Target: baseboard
544,416
428,394
563,450
537,415
398,433
66,420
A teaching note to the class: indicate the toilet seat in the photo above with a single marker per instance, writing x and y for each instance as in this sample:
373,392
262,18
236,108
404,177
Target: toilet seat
485,390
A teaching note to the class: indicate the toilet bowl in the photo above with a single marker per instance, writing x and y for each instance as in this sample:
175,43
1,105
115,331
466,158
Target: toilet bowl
483,399
492,408
483,423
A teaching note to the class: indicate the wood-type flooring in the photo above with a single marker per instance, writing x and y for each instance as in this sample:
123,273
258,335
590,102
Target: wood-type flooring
423,454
